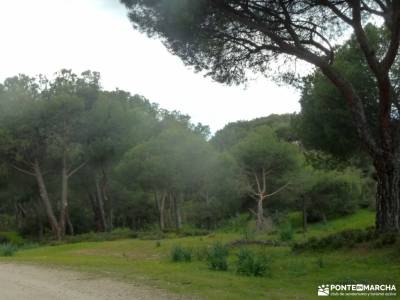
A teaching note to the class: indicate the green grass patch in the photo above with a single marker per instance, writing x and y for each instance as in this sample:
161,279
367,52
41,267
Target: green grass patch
291,275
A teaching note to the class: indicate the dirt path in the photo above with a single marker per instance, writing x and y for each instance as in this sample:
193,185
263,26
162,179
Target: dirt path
20,282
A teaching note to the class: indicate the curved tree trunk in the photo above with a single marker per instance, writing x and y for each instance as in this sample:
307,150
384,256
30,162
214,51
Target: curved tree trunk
44,196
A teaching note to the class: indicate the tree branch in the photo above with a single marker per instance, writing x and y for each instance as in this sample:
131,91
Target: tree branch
278,190
23,171
77,169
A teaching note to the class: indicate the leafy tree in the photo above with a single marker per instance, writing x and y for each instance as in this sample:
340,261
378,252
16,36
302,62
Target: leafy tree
233,133
266,162
226,38
325,122
24,142
116,122
171,165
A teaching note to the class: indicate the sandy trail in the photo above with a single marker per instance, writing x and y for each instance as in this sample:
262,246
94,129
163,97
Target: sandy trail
21,282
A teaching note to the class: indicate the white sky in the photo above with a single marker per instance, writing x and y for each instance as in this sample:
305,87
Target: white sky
44,36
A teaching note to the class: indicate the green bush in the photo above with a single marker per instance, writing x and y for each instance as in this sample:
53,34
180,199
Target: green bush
386,239
7,222
334,194
8,249
218,257
151,235
11,237
286,232
116,234
251,264
235,224
179,254
347,238
192,231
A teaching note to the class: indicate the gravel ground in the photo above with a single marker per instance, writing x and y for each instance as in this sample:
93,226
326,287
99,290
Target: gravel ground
23,282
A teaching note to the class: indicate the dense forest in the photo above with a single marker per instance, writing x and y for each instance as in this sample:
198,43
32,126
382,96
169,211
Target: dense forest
77,158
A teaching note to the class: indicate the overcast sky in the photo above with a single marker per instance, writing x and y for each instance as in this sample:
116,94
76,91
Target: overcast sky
44,36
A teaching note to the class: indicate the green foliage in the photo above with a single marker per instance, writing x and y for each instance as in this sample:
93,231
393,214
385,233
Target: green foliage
235,224
181,254
7,222
218,257
115,234
386,239
151,235
252,264
333,194
325,121
8,249
286,232
346,238
12,238
192,231
233,133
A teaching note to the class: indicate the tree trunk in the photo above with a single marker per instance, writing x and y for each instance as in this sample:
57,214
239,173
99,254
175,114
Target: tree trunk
177,210
160,202
46,200
387,198
37,209
96,213
100,204
106,201
260,214
64,200
70,226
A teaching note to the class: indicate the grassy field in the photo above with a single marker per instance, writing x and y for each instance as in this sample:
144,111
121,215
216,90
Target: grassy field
294,276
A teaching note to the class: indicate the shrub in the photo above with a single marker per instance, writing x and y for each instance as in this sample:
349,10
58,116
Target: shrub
179,254
192,231
251,264
11,237
347,238
116,234
386,239
286,232
236,224
334,194
218,257
7,222
8,249
151,235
